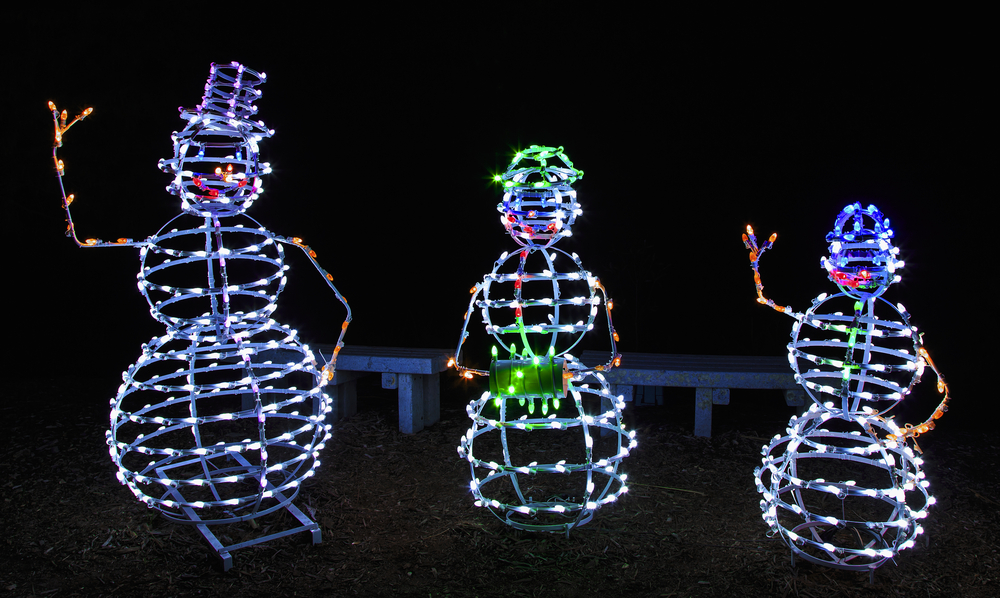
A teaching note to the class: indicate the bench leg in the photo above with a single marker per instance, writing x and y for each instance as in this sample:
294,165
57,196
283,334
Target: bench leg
411,403
703,412
625,390
795,397
344,398
432,399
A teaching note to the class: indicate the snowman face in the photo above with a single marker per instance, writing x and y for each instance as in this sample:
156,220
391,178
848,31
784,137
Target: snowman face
539,204
538,219
862,259
216,168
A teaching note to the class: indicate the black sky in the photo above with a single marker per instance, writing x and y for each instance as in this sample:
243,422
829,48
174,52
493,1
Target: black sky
388,130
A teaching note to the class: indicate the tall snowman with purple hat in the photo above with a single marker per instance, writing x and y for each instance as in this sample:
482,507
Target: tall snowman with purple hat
223,417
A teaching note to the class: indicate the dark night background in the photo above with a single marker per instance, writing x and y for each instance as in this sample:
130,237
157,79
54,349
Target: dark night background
388,130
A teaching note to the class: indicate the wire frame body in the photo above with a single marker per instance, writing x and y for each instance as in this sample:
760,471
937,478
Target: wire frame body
223,417
542,299
538,303
824,516
855,356
841,487
226,412
556,494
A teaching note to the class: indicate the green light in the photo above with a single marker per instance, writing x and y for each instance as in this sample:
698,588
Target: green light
520,374
494,351
511,389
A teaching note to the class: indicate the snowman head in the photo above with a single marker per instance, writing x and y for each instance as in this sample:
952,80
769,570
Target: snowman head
862,259
215,165
539,204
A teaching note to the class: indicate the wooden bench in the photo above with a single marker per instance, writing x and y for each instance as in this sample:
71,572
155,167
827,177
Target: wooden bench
710,375
415,372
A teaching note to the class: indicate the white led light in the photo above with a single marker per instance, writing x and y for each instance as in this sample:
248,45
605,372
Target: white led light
862,350
226,352
541,385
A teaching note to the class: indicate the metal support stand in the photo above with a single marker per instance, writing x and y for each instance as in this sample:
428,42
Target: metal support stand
223,551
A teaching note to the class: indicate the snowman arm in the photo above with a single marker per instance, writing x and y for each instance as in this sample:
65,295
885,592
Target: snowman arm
750,242
455,361
912,431
330,367
61,127
616,358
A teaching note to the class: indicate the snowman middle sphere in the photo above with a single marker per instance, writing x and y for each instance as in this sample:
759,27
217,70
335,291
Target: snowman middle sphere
547,439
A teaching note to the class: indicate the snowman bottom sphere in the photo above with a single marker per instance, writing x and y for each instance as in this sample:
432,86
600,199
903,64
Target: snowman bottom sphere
547,471
838,494
219,432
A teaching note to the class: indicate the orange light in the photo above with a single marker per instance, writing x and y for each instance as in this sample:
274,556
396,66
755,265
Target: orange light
615,335
472,291
91,242
772,237
312,253
451,363
611,304
70,199
329,277
749,230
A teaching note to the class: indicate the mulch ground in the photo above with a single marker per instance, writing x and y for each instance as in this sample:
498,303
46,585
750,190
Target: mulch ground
397,517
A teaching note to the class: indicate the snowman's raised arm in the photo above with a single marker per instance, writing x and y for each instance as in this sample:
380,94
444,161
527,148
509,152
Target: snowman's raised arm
296,241
456,360
61,126
750,242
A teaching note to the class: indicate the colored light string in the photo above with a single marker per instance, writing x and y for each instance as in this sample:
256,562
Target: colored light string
848,350
223,417
541,388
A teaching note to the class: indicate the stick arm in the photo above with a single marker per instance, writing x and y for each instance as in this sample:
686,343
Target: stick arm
912,431
329,368
455,361
750,242
609,304
61,126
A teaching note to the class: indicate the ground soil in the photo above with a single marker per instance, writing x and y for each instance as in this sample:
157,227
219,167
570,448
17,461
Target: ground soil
397,517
